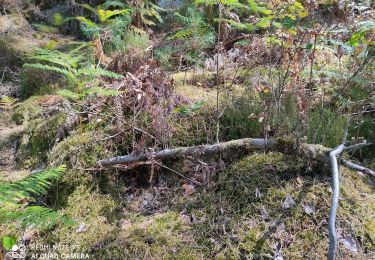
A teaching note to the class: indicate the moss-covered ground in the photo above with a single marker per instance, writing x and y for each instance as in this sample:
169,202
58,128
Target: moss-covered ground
262,206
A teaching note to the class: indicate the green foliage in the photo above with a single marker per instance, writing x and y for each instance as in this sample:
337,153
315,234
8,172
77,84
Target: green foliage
71,66
19,204
46,28
184,110
145,12
95,91
8,242
325,127
195,28
135,41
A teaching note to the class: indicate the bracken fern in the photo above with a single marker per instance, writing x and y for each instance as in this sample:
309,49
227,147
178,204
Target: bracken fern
18,201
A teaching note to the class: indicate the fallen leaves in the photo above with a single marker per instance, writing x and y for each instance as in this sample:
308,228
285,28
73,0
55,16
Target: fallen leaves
288,202
189,189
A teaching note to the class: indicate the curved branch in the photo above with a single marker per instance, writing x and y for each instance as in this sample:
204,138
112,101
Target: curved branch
335,201
357,167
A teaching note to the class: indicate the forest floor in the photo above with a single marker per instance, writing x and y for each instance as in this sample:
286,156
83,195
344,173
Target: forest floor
261,206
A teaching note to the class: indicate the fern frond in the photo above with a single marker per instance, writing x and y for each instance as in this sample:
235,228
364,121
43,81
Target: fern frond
105,15
56,57
114,4
181,34
87,22
45,67
104,92
15,199
36,184
95,72
69,94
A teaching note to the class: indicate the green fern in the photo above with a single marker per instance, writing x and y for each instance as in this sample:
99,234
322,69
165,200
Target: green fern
70,65
96,91
19,205
195,27
48,68
96,72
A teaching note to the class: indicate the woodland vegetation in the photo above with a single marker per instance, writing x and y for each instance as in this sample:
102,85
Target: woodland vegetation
172,129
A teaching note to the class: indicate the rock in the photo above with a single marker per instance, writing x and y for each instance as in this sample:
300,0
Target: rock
288,202
349,243
14,24
264,213
81,228
309,209
16,40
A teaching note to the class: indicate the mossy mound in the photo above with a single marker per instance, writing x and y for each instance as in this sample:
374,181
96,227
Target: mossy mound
161,236
80,151
93,215
37,139
267,205
261,207
27,110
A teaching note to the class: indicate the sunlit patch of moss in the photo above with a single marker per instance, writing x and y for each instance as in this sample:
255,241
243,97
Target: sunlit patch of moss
93,214
27,110
193,129
80,152
38,137
250,214
161,236
370,227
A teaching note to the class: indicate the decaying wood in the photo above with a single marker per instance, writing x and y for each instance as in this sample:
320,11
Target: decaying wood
316,152
244,144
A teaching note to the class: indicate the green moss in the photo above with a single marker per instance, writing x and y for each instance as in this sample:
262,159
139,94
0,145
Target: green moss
38,137
162,236
370,226
247,211
27,110
80,151
194,129
94,213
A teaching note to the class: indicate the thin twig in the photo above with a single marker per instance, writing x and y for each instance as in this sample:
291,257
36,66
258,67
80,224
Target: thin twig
178,173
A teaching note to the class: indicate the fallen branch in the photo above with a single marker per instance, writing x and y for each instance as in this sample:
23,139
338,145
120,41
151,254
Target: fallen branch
335,194
311,151
247,144
335,200
357,167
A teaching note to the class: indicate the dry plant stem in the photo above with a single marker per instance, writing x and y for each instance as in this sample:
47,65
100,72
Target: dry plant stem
178,173
218,76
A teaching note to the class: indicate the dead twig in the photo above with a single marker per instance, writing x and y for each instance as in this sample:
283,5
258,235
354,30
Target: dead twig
357,167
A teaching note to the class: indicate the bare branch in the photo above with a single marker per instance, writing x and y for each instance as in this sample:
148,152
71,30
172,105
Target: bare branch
357,167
